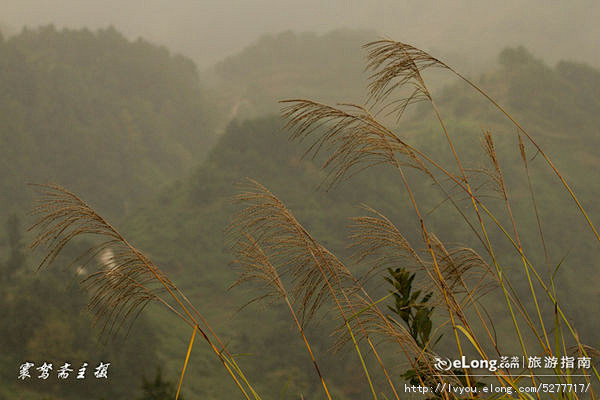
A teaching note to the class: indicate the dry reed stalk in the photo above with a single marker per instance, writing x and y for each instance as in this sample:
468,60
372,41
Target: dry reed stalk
131,282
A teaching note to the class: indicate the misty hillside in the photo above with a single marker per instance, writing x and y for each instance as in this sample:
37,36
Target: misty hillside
182,228
97,113
325,67
116,120
468,30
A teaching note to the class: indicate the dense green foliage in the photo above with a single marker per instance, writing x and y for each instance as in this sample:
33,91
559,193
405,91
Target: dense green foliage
109,118
413,309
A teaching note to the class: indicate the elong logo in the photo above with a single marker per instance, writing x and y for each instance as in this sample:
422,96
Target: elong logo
446,364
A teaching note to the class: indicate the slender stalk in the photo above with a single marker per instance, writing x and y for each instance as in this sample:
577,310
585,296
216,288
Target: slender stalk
362,361
187,357
312,356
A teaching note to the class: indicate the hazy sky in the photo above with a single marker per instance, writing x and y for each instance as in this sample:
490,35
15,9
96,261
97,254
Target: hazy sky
208,30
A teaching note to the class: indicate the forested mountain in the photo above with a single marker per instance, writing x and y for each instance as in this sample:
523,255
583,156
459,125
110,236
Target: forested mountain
98,113
182,229
114,120
325,67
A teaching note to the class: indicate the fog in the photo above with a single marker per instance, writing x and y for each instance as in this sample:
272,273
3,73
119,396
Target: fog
208,30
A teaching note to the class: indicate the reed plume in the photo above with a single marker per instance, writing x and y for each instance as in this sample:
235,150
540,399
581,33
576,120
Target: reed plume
355,139
131,280
117,292
314,273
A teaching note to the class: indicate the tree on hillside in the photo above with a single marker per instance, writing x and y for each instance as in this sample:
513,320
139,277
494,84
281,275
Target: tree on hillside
158,388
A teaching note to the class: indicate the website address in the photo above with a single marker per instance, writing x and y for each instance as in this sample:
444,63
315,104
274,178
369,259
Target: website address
495,389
